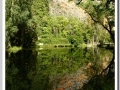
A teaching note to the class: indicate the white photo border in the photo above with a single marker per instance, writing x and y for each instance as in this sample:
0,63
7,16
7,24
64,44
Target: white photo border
2,45
117,43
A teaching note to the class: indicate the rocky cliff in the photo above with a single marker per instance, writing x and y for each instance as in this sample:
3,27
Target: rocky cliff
68,8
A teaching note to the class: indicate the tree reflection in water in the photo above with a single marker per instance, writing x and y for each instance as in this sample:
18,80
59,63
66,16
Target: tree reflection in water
58,69
20,68
105,80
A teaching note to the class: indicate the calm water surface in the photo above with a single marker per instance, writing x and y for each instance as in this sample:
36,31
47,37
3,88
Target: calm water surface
55,68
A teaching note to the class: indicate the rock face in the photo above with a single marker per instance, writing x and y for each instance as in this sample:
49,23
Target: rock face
67,8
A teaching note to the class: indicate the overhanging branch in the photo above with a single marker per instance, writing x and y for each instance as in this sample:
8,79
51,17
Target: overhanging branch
98,21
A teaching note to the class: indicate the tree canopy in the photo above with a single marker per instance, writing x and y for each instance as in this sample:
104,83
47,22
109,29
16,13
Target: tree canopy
19,23
29,21
101,12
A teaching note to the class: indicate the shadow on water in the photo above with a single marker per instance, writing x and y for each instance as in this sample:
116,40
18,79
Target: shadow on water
20,68
58,69
105,80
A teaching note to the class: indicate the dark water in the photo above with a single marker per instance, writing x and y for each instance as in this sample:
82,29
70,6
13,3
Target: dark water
56,68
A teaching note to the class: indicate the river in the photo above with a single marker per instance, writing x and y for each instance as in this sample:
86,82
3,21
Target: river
56,68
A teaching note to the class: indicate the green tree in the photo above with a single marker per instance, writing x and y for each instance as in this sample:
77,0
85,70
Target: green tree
20,26
101,12
57,29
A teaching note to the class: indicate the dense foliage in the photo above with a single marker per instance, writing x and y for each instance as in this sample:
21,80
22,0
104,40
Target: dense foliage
20,26
61,30
58,29
29,21
101,12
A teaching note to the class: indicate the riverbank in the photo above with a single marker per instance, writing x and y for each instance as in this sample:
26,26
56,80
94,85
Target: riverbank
107,46
64,45
14,49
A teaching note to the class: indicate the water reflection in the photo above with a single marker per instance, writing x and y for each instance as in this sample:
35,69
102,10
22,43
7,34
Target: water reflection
54,69
18,68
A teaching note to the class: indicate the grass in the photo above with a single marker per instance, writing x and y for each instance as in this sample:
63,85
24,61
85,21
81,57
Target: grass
14,49
63,45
